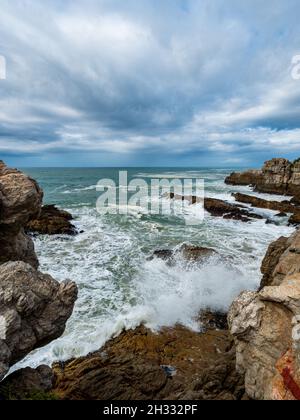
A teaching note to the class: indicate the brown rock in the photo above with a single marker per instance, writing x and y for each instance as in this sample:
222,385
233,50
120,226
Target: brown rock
20,201
187,252
34,309
52,221
266,326
220,208
274,253
140,365
28,384
251,177
278,176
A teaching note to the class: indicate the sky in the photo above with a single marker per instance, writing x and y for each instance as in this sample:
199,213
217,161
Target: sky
149,82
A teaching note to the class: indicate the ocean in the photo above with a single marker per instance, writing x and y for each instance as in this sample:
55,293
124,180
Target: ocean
119,287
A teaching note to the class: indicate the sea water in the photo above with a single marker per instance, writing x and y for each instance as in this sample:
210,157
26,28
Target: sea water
119,286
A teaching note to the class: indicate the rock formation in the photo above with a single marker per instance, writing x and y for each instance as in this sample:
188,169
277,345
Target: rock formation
34,308
20,201
278,176
281,206
175,364
266,326
52,221
219,208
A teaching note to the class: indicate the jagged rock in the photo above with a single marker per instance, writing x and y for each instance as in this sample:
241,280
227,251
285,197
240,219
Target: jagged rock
266,326
274,252
219,208
283,207
20,201
278,176
173,364
251,177
52,221
34,309
282,259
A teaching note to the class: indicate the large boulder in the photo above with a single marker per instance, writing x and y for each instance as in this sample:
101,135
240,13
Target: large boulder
266,326
34,309
20,201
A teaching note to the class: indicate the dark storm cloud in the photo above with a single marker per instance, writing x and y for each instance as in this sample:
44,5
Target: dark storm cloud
173,78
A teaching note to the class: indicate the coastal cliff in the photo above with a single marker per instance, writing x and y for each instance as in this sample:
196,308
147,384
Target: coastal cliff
278,176
265,326
34,308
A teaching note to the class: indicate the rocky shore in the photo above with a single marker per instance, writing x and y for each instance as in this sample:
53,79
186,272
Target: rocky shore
278,176
34,308
253,353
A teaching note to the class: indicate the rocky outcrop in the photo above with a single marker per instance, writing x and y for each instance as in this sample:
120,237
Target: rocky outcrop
278,176
266,326
282,206
20,201
175,364
251,177
52,221
34,309
219,208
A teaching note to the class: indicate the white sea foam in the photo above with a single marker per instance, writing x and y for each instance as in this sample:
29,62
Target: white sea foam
120,288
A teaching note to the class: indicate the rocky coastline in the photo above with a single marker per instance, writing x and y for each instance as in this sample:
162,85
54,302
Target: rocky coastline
253,353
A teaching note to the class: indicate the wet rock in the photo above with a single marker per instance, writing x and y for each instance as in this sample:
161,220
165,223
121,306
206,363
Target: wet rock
20,201
213,320
52,221
34,309
283,207
220,208
133,367
187,252
28,384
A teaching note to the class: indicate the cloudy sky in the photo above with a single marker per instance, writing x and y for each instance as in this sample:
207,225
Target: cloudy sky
149,82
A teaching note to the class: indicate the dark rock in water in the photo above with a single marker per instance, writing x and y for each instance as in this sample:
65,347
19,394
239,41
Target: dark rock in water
174,364
187,252
281,215
52,221
28,384
211,320
220,208
282,206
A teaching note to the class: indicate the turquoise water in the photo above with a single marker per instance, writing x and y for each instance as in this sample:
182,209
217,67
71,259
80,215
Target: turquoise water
118,286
